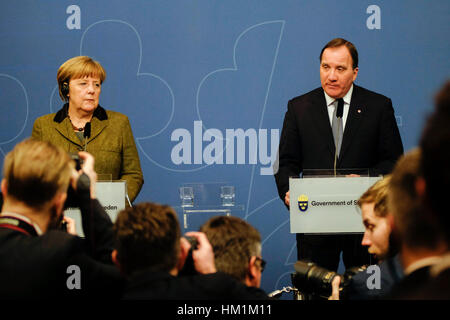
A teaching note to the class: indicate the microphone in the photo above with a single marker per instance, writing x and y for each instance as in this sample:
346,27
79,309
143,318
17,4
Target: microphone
87,130
86,133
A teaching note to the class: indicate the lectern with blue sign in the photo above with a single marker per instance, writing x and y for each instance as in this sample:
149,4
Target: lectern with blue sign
327,204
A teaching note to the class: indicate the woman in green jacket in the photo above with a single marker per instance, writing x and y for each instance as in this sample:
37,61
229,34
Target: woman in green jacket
82,124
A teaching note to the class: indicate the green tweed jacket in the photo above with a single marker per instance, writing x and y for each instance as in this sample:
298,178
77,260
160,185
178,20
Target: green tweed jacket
111,143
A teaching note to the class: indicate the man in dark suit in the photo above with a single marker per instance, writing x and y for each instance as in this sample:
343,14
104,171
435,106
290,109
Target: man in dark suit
38,260
366,136
151,253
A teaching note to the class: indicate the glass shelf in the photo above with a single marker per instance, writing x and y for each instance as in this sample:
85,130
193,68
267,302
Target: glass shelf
201,201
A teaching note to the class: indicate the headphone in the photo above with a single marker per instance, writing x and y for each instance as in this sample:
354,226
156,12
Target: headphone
65,89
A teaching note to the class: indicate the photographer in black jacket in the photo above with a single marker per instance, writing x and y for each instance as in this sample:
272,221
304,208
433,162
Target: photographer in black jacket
237,248
37,258
151,252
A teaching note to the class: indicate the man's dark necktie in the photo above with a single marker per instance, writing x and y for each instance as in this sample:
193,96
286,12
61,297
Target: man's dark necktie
337,125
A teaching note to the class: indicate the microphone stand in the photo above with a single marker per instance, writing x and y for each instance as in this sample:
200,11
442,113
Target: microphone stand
86,134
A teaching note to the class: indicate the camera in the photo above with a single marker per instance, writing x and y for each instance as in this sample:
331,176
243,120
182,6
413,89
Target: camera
71,201
78,161
309,278
193,242
83,185
62,224
189,267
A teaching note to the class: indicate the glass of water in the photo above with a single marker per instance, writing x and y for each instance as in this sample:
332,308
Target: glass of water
187,196
227,194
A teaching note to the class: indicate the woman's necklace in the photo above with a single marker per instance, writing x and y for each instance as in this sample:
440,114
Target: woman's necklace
73,126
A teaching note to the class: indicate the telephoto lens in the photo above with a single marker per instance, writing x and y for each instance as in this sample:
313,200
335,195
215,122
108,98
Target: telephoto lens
309,278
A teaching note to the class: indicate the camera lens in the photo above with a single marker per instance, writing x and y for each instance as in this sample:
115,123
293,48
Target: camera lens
310,278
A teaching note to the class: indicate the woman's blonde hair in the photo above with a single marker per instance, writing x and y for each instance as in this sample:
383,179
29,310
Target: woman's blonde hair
75,68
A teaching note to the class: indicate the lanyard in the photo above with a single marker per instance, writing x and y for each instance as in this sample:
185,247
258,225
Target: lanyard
16,224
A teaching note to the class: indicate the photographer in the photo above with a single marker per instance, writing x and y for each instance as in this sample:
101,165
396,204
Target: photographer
435,143
237,248
37,259
381,242
422,238
151,252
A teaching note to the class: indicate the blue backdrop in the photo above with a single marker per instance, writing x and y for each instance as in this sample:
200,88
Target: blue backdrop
188,72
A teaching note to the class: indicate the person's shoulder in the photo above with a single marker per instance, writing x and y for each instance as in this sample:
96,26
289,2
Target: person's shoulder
363,92
58,242
229,287
115,116
45,118
117,119
50,249
438,288
307,101
313,94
